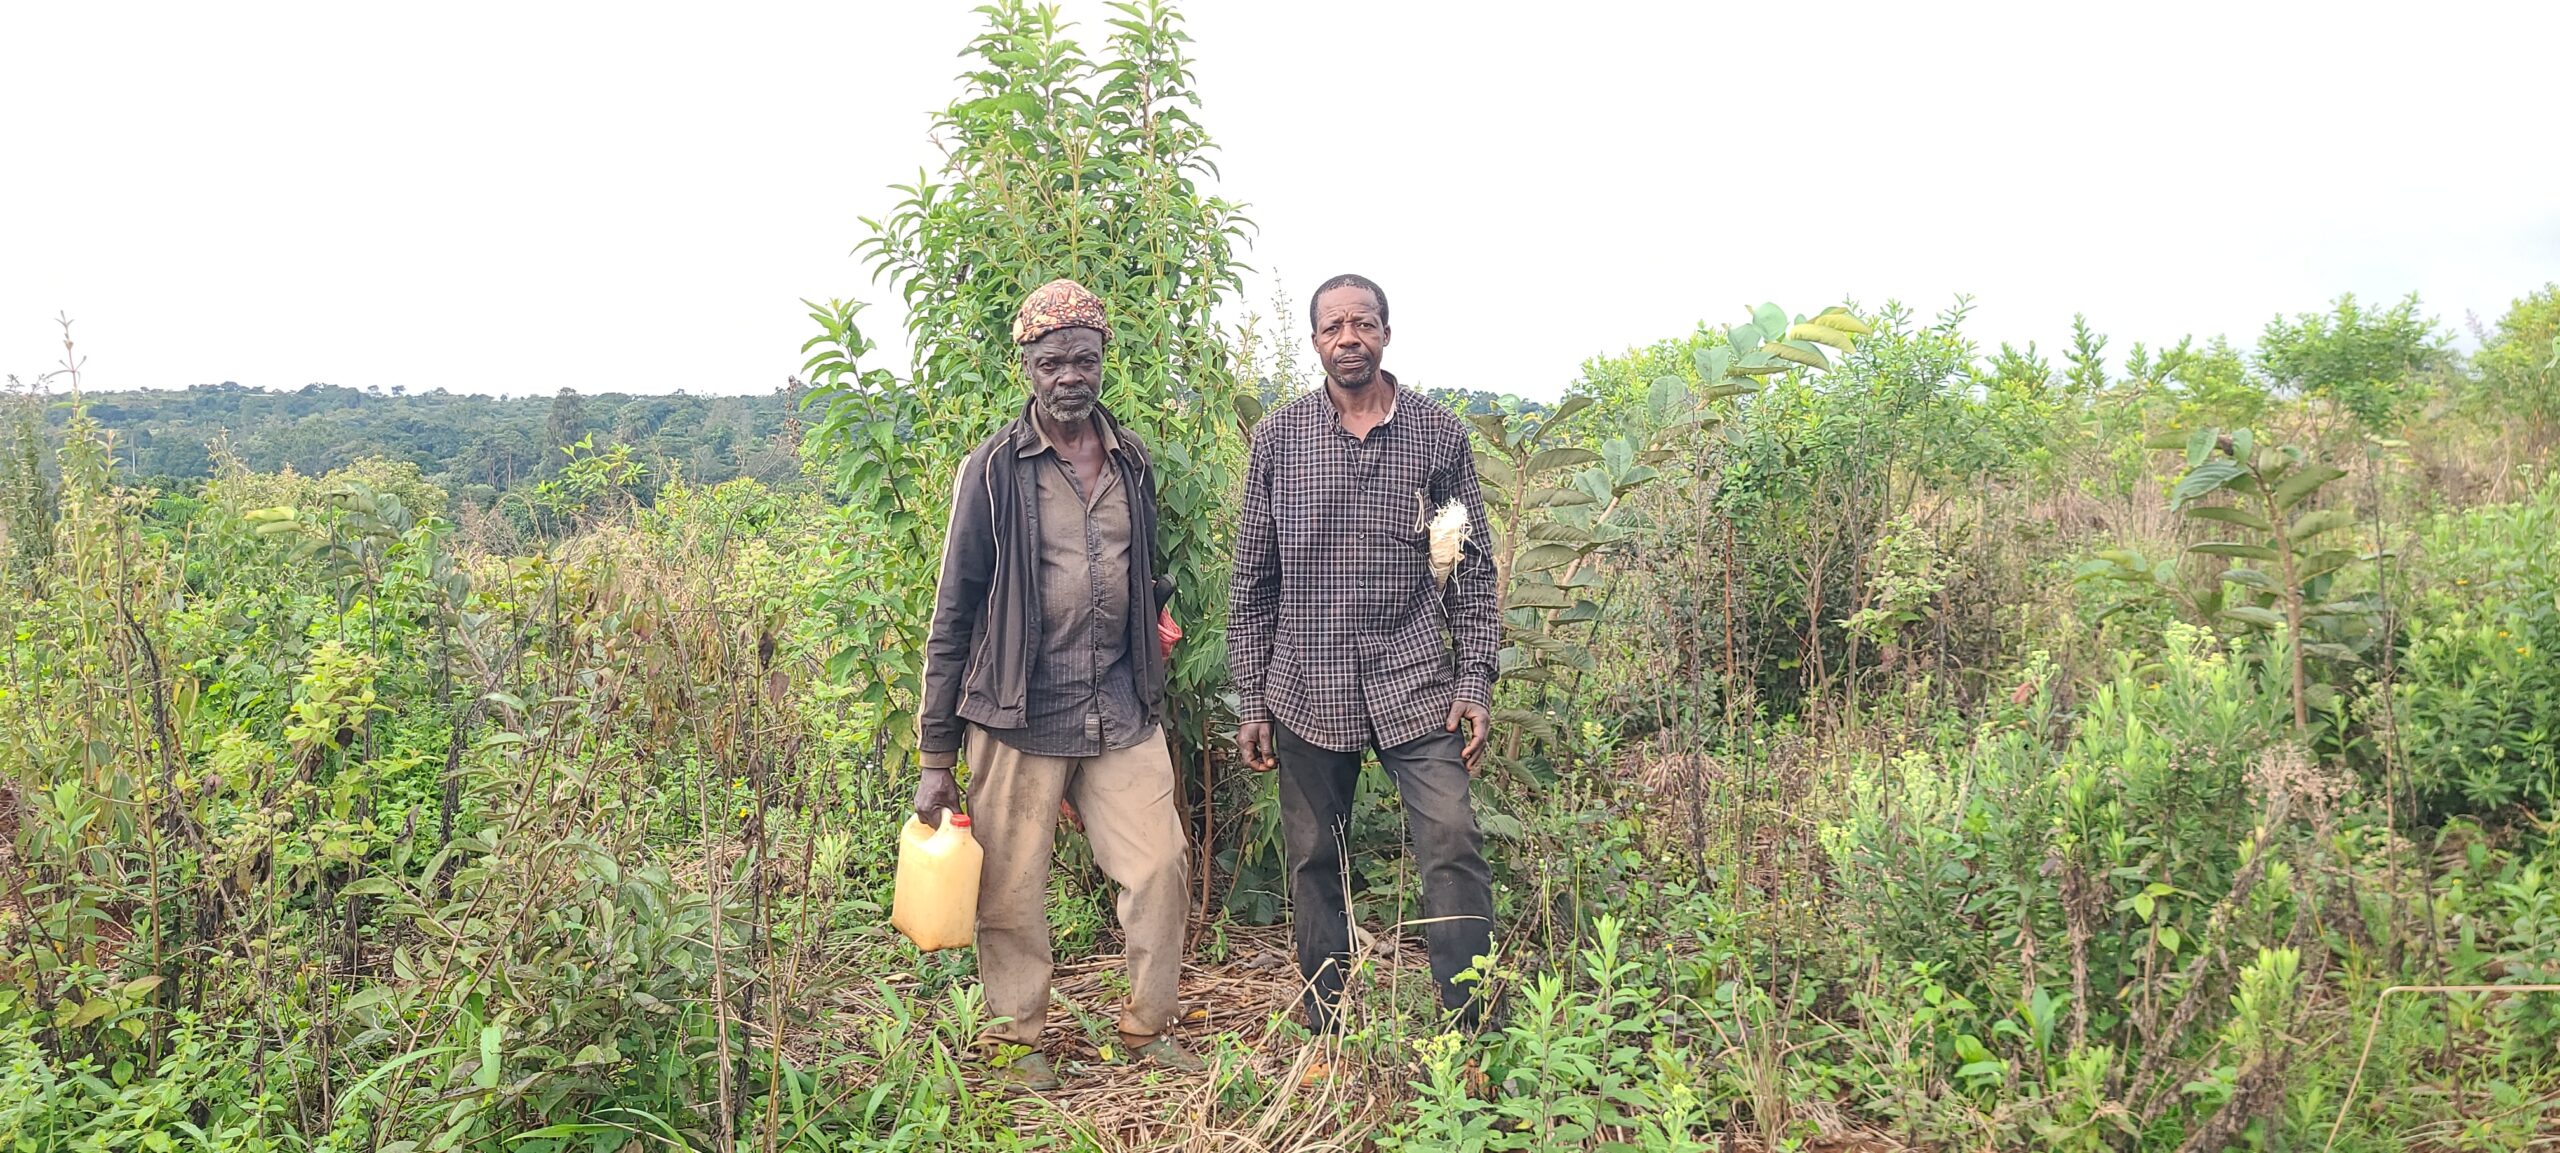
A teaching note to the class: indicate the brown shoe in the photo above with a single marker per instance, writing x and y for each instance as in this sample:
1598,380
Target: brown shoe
1030,1071
1163,1050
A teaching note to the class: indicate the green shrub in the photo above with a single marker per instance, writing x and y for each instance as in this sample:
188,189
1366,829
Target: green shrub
205,1095
2478,685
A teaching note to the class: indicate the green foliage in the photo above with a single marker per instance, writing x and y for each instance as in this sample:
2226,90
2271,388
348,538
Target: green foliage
1557,504
203,1095
2208,386
1578,1060
2520,365
2286,553
589,484
331,826
2369,362
1060,164
473,446
1810,476
2478,691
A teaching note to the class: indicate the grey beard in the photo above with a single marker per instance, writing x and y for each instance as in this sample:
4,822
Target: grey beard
1069,412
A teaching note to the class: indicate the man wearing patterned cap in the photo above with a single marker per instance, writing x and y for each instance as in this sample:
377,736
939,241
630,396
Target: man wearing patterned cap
1046,665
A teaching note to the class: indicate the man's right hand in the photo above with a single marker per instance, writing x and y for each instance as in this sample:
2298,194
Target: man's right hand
938,790
1254,742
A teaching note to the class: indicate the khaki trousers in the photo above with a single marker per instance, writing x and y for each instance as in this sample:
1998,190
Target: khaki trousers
1125,798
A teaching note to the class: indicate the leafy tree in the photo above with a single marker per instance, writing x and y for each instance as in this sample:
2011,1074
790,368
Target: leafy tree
1060,164
568,419
30,492
2367,361
462,443
2520,365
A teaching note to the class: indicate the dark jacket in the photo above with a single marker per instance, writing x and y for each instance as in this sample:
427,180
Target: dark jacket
986,610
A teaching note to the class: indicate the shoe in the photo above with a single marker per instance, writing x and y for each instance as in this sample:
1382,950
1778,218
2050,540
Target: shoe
1163,1050
1030,1071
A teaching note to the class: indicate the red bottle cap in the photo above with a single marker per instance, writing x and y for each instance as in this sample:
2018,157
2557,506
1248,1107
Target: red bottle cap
960,821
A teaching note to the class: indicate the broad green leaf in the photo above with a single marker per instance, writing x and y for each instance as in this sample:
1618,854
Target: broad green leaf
91,1011
2325,562
2204,478
1536,594
491,1037
1248,407
1542,557
1558,532
2250,578
2200,446
1822,334
1559,498
2255,617
1666,399
1722,391
1495,471
1798,352
1552,459
2230,514
1564,412
2319,522
1836,317
2302,482
2233,548
1712,363
1617,455
1770,320
1744,339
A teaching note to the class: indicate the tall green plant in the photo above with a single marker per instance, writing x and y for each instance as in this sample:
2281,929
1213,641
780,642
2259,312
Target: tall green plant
1555,503
2520,364
2292,561
1059,164
2367,361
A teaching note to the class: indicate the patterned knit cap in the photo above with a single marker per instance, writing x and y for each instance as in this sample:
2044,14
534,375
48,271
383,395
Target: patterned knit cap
1061,303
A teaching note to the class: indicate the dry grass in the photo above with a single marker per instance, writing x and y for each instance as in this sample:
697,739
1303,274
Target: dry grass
1291,1093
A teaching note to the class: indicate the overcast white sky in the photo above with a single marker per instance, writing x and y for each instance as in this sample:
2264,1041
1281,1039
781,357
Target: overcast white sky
516,197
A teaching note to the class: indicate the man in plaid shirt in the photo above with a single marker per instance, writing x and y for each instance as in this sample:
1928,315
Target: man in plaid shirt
1340,641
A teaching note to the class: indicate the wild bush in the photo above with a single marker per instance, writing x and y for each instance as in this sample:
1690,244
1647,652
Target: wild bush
2476,697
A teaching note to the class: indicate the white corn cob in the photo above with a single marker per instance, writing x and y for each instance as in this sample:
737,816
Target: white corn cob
1448,540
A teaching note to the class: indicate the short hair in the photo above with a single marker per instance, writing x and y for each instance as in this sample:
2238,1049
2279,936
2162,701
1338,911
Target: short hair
1347,280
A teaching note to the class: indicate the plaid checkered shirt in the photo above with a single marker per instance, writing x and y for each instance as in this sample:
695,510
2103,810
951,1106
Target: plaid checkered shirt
1335,627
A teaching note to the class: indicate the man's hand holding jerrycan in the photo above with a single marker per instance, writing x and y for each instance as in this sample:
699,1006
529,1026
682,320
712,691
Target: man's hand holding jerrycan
936,904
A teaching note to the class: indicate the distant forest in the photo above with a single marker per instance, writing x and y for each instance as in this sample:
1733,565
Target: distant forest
474,447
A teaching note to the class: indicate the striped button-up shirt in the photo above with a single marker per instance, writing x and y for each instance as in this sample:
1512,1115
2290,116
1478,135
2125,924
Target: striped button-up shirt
1336,628
1084,692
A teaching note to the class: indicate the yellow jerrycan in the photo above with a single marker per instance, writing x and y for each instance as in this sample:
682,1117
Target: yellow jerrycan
936,904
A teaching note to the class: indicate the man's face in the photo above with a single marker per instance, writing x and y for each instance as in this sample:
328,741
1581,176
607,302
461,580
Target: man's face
1065,368
1351,338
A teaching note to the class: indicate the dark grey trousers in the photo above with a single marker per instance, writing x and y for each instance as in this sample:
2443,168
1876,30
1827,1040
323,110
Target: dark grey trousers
1316,787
